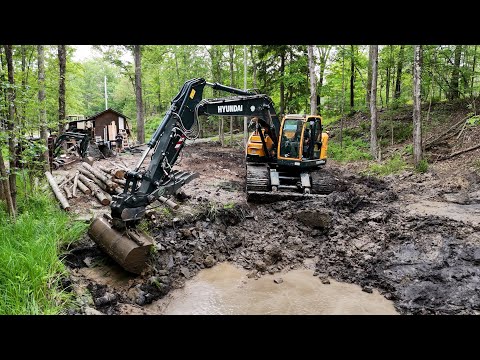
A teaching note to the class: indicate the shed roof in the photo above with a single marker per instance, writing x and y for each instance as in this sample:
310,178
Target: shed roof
93,117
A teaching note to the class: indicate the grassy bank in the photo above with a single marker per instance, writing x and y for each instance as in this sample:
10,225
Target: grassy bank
30,268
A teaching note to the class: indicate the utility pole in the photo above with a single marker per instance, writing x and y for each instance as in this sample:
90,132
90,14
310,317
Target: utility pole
245,132
106,103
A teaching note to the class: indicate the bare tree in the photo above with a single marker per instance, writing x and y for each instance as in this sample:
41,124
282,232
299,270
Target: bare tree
373,104
5,187
417,122
398,84
454,91
12,142
231,49
41,104
352,77
369,75
313,85
323,52
62,64
138,94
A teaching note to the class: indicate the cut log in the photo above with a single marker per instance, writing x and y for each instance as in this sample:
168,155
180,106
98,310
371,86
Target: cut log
169,202
83,187
117,173
89,160
120,181
75,184
57,191
67,180
67,192
96,180
100,175
103,198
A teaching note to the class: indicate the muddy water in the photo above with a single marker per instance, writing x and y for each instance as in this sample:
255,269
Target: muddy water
226,290
467,213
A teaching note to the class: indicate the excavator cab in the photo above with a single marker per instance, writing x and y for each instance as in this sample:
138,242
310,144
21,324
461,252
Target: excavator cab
302,142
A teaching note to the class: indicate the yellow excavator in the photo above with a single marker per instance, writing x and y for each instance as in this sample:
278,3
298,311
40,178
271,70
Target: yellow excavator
282,159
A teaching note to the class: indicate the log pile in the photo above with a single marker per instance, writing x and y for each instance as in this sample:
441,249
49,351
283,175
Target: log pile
93,180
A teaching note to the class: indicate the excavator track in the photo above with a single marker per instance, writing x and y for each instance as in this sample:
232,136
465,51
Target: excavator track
258,178
323,182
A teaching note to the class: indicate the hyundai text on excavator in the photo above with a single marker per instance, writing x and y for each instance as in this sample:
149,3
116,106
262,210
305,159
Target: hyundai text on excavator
280,157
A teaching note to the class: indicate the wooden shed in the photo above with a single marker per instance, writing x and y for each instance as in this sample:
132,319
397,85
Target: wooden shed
103,126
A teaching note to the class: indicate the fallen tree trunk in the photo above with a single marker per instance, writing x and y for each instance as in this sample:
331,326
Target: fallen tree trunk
103,198
443,135
57,191
83,187
100,176
462,151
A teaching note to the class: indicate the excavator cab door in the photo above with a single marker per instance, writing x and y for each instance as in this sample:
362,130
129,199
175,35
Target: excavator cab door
312,143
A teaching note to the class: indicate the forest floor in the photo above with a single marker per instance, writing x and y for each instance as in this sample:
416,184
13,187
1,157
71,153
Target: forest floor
412,236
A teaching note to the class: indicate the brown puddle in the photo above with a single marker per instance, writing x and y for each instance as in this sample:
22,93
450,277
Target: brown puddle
226,290
466,213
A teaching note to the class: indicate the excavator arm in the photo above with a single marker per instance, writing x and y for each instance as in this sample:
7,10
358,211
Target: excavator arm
117,234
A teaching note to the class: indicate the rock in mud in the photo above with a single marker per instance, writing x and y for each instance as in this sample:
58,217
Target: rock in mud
278,281
106,299
91,311
260,265
185,272
325,280
314,219
367,289
209,261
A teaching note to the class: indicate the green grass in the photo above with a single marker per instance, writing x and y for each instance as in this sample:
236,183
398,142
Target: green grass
422,166
392,165
30,268
353,150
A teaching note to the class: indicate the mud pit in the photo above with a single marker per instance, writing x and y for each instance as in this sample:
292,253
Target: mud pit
371,235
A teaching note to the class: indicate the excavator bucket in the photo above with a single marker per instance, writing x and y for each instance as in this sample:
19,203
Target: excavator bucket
129,248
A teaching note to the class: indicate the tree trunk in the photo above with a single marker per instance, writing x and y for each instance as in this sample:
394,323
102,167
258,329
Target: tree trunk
398,84
12,143
417,123
369,76
62,63
232,54
373,104
21,120
282,84
455,94
254,68
473,71
323,52
343,97
41,105
313,85
138,95
352,78
6,187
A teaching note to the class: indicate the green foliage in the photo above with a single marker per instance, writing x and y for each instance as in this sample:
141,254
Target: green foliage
408,149
422,166
474,120
353,150
393,165
30,269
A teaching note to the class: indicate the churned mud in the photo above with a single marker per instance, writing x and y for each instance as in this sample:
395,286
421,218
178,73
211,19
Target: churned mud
411,240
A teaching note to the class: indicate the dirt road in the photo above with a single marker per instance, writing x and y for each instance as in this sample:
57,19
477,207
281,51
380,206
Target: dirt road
414,238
